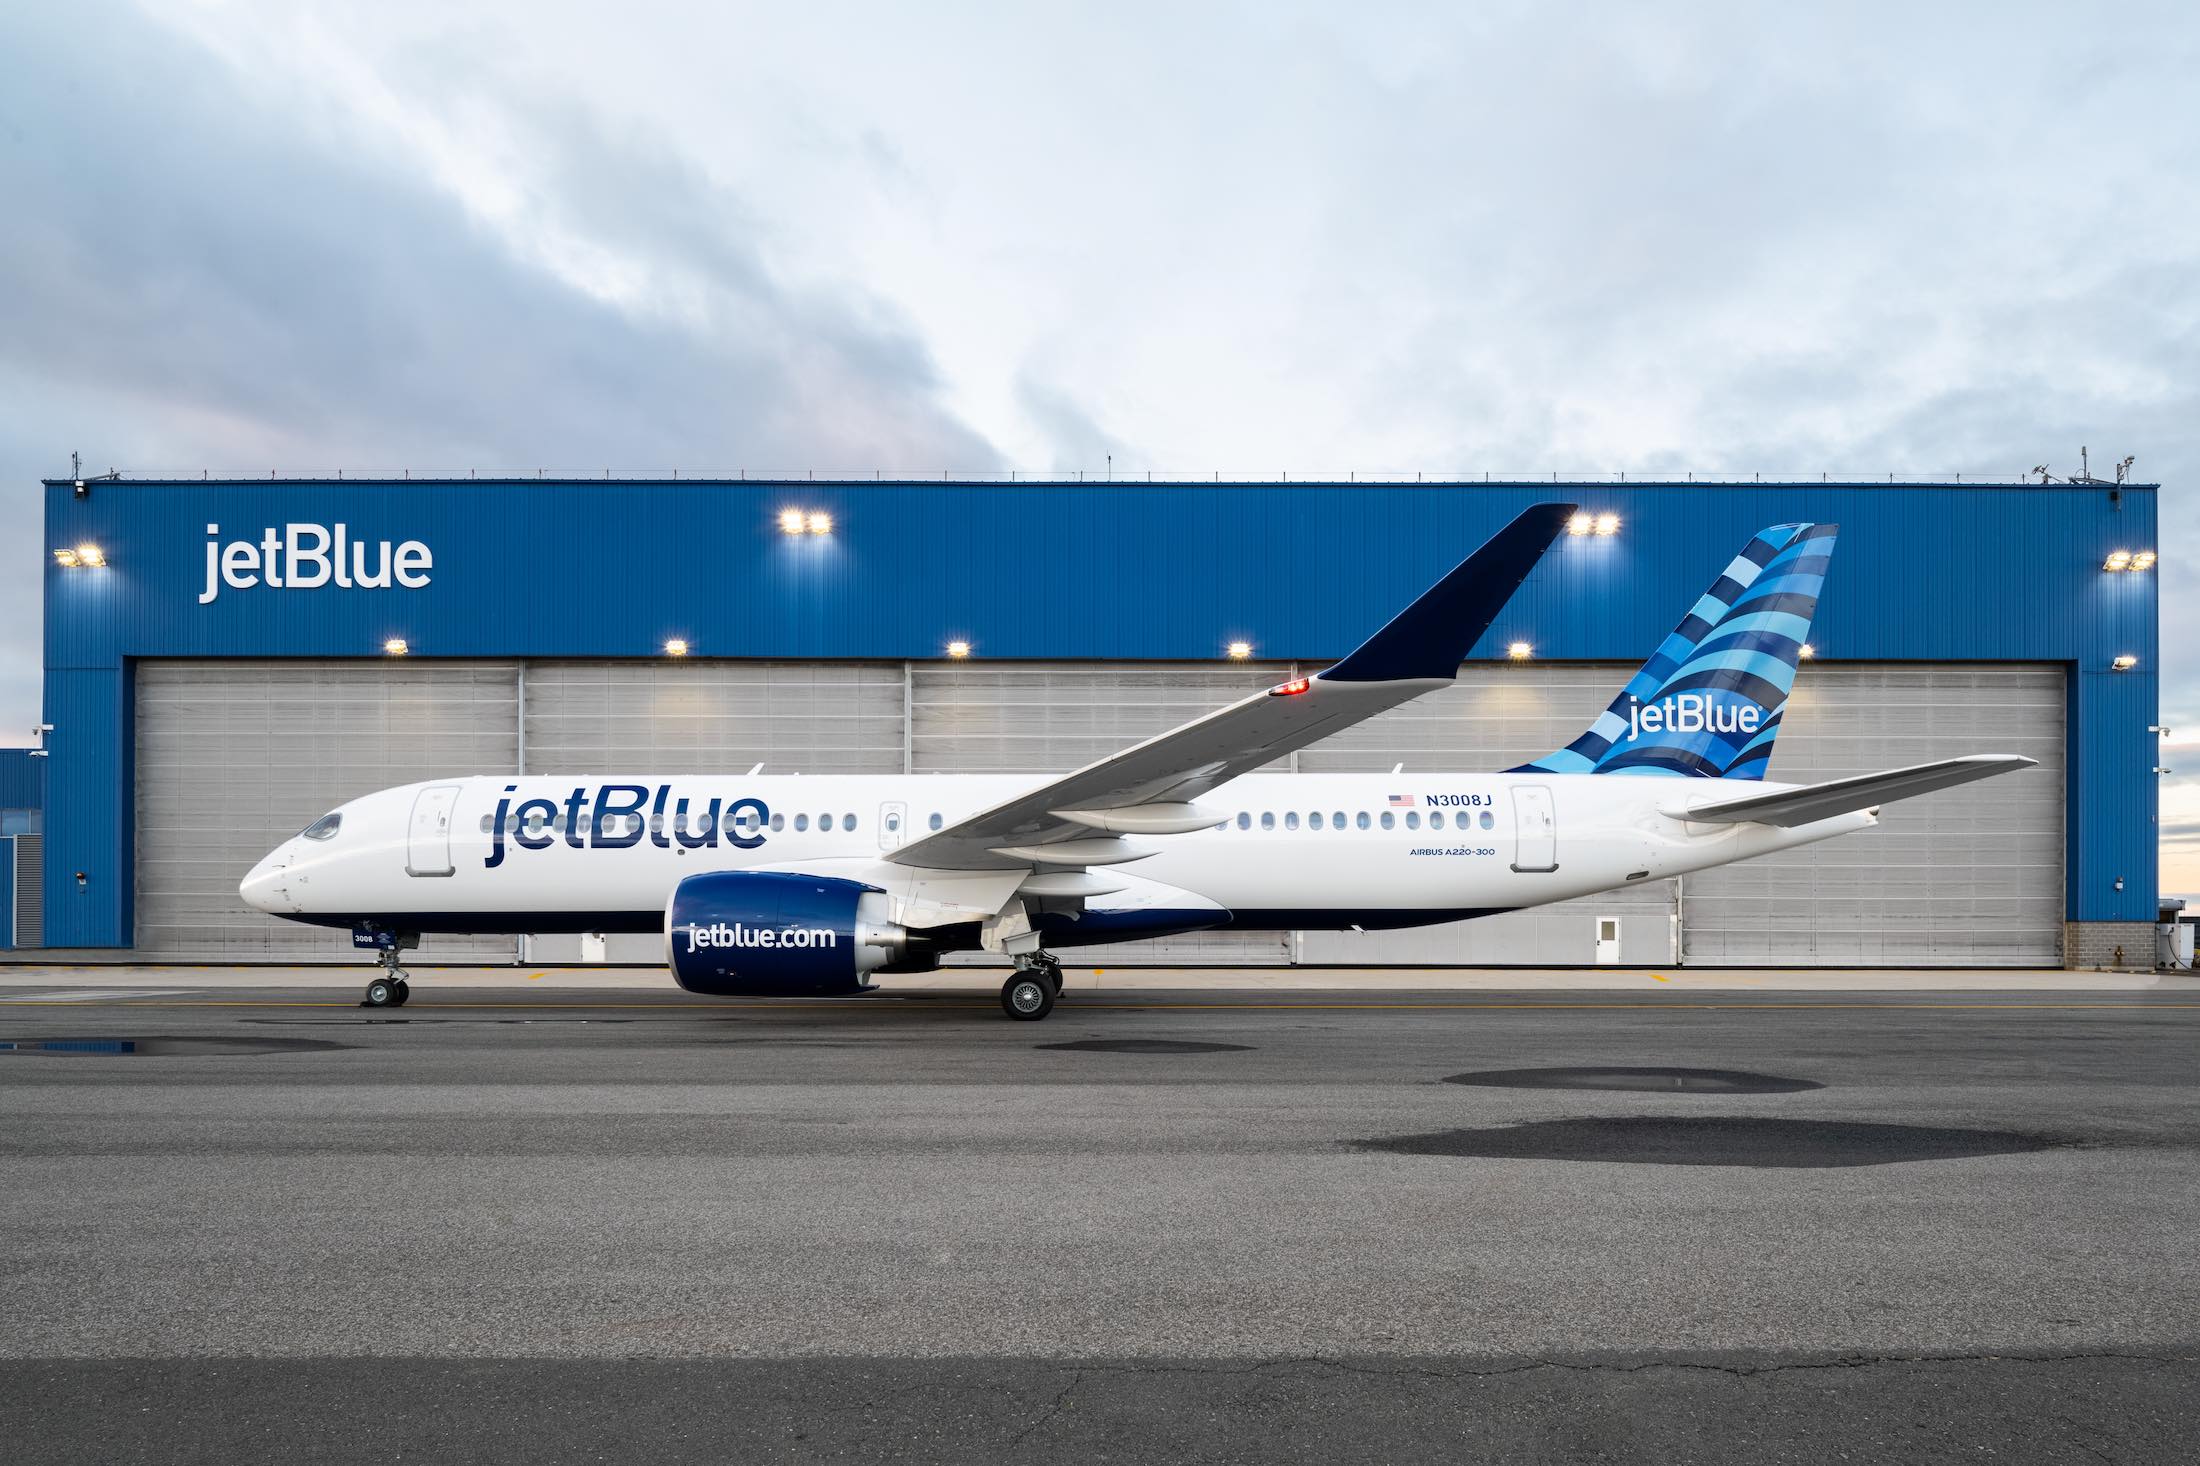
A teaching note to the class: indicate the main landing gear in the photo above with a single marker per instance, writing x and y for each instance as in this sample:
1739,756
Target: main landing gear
1030,994
390,990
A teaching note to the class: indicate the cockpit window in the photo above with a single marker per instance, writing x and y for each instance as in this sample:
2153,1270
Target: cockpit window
325,827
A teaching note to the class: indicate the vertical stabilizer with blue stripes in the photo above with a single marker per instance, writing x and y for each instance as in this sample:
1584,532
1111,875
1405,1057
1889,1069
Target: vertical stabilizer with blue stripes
1708,704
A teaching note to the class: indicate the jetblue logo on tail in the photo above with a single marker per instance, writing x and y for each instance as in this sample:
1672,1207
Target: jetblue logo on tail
1691,712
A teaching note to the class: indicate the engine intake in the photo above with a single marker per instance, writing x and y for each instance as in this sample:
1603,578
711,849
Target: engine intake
774,934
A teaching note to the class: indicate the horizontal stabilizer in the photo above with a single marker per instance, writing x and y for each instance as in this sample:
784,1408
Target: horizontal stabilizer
1791,807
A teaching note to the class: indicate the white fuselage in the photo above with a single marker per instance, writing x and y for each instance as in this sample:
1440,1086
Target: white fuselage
1299,851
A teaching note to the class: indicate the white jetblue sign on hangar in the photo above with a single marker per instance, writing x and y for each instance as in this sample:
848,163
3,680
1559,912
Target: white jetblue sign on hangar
309,556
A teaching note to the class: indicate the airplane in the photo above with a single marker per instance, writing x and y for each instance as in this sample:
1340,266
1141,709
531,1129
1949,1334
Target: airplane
809,886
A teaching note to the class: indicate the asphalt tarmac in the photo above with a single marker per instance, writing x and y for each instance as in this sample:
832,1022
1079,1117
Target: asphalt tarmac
549,1226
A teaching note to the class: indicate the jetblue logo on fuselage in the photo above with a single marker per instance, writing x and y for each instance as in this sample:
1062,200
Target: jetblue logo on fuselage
736,934
309,556
622,816
1691,712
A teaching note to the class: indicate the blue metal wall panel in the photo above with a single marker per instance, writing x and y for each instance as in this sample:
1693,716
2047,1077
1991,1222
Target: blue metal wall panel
7,894
22,779
1050,571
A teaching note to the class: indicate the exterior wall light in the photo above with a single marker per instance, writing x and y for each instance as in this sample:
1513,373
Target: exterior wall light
821,524
1240,650
676,647
396,646
1520,651
958,649
791,521
1607,524
2117,560
88,554
66,559
1807,651
2125,662
1580,524
2143,560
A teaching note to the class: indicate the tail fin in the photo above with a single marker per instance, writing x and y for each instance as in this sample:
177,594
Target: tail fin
1707,705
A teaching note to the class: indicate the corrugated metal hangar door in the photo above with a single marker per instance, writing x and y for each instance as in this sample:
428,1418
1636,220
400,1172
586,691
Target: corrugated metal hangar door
1966,877
234,757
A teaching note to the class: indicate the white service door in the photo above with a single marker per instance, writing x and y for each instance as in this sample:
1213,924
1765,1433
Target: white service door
428,846
1535,829
1607,941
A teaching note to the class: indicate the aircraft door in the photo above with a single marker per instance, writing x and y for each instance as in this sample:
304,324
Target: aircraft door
1535,829
428,842
893,824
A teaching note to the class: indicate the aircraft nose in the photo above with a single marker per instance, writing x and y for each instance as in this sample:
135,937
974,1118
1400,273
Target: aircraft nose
267,887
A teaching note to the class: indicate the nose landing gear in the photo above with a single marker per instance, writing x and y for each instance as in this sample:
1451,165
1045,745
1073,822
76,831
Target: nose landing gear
390,990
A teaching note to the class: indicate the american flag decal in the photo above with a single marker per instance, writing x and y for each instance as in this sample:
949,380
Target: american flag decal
1401,801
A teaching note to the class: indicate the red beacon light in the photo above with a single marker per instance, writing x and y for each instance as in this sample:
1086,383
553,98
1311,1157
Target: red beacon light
1292,688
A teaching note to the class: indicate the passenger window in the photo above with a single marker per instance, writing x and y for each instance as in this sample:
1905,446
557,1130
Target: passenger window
847,821
779,822
1291,820
1389,819
1314,820
1436,819
1413,819
801,822
936,822
657,824
1488,820
1267,819
1339,819
484,824
1362,820
1245,820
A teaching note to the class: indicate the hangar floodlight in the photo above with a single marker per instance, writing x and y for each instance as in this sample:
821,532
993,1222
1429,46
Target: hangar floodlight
2125,662
791,521
2117,560
958,649
1807,651
91,555
821,523
2142,560
66,559
1520,651
396,646
1607,524
1240,650
1580,524
676,647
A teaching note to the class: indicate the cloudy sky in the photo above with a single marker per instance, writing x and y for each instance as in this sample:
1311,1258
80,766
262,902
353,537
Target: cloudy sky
1918,239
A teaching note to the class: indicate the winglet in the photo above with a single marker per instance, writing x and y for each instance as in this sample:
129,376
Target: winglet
1431,637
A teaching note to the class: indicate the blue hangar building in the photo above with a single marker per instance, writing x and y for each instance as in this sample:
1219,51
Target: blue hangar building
212,687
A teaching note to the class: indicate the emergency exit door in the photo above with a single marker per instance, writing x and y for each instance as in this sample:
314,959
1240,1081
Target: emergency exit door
428,846
893,821
1535,829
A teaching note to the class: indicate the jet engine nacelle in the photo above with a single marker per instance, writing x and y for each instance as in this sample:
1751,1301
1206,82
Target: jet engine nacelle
773,934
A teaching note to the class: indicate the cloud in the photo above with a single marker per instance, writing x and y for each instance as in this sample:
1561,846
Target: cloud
201,268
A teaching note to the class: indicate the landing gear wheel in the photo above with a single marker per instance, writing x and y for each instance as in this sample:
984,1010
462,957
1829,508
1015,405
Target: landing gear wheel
1027,996
382,993
404,992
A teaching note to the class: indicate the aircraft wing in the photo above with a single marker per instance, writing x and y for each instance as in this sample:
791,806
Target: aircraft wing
1080,819
1790,807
